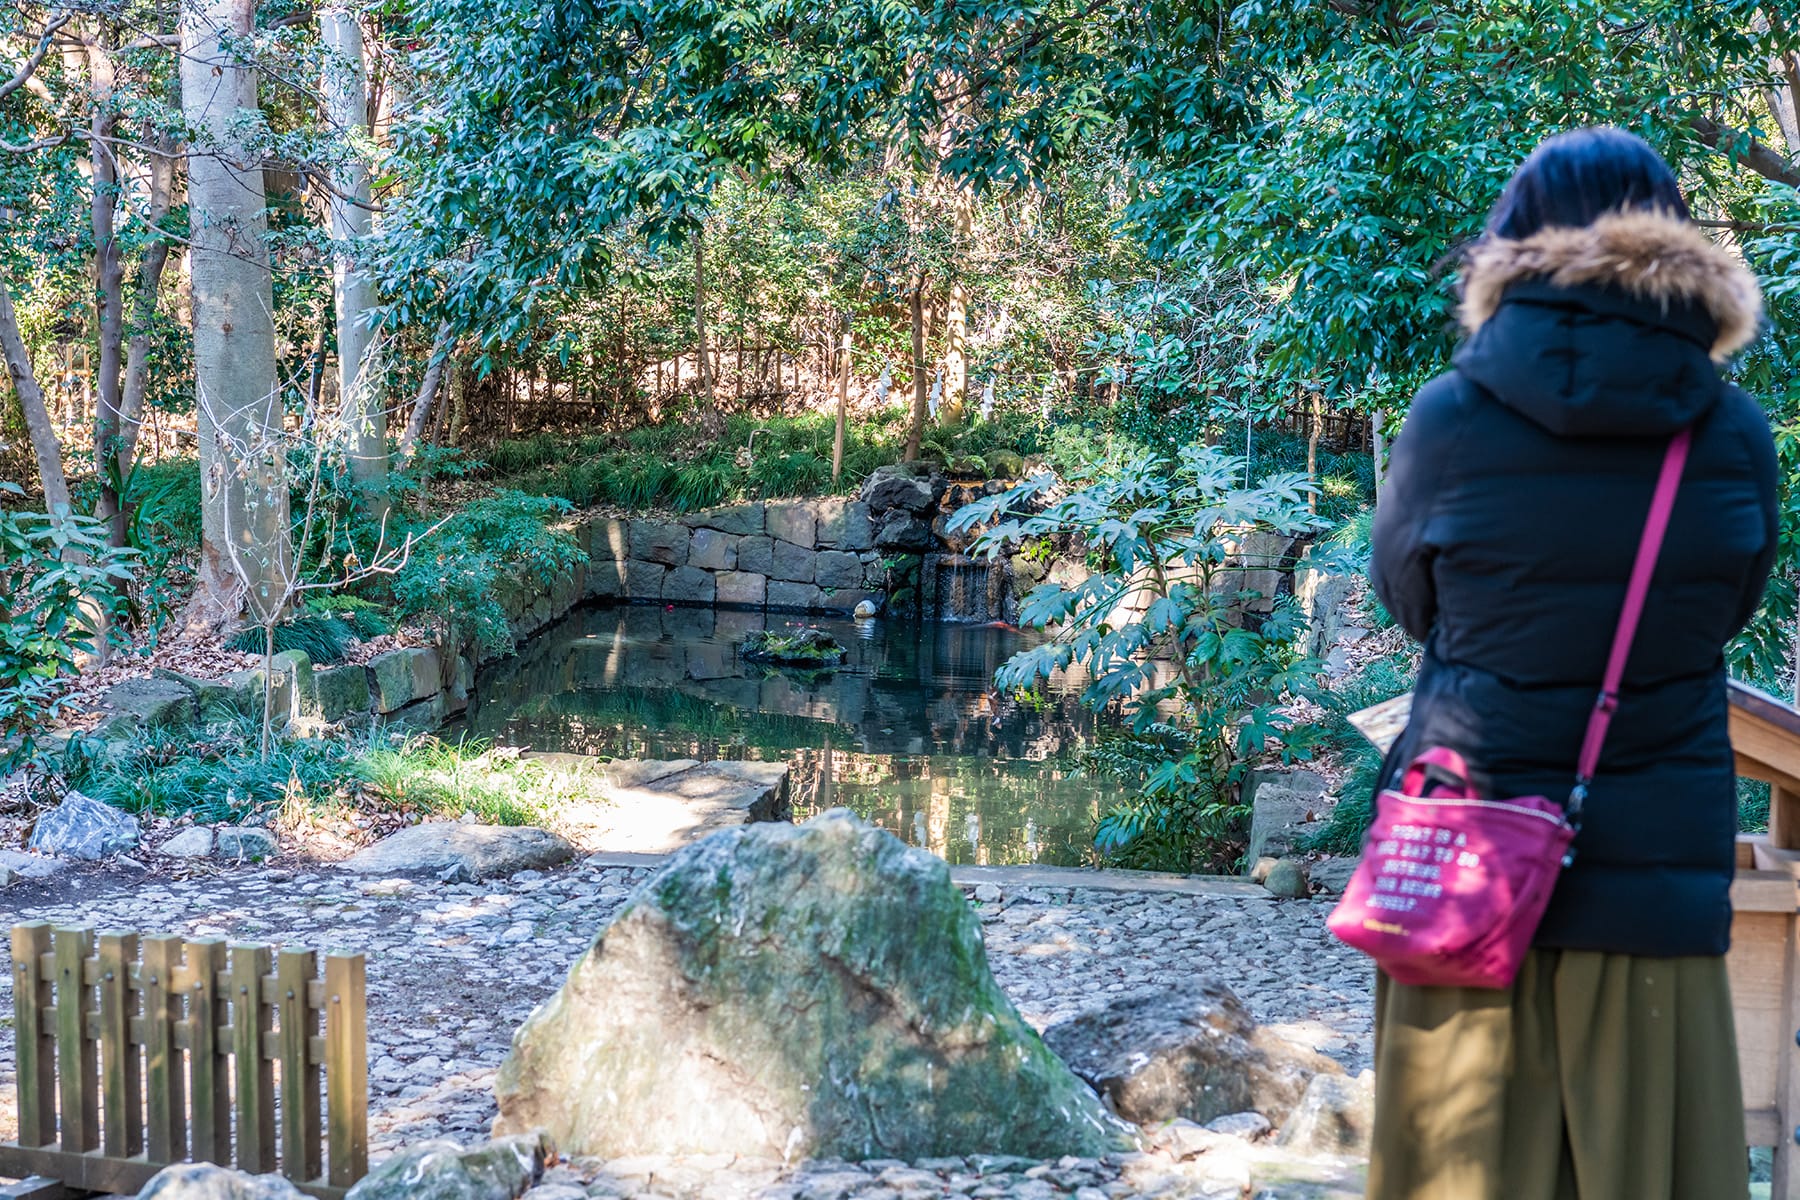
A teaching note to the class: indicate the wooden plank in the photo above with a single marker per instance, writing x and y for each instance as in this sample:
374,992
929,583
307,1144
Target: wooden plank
122,1084
1786,1175
298,1021
346,1070
77,1058
96,1173
1746,850
165,1133
254,1093
34,1039
1764,892
210,1082
1762,1127
1784,817
1757,970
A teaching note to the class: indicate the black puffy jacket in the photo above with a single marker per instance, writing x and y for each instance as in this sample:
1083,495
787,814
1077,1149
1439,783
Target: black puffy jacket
1516,495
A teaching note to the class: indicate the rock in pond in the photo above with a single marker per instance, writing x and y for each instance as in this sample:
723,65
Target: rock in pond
204,1181
469,851
1193,1053
502,1169
82,827
794,992
800,648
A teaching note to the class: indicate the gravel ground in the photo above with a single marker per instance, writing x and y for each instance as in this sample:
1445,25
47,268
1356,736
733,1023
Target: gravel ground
453,968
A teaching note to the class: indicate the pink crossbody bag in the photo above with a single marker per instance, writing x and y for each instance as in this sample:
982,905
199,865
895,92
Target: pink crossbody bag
1452,885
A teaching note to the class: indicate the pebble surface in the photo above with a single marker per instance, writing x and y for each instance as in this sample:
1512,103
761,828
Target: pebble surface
454,968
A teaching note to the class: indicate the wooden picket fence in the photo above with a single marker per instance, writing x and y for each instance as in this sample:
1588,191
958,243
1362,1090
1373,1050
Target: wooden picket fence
134,1053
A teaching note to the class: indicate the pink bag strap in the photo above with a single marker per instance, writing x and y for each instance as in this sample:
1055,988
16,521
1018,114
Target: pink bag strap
1662,503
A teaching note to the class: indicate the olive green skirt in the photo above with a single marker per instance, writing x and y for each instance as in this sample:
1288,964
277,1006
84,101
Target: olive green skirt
1596,1077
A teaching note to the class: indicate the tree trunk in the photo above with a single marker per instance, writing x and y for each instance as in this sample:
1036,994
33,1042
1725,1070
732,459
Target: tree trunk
428,392
161,181
1317,428
956,324
109,290
245,554
44,446
706,378
360,372
459,396
843,412
916,432
1378,435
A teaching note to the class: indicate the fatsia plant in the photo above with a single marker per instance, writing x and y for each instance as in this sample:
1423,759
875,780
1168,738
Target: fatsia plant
1167,630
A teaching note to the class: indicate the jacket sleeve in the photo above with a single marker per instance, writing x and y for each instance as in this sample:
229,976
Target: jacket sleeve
1766,471
1400,565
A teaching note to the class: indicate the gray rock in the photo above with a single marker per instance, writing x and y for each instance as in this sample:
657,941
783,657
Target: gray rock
838,569
901,530
342,691
399,677
81,827
605,580
29,866
608,540
1332,874
744,520
689,585
756,555
1335,1116
1247,1125
678,802
740,587
297,668
793,564
479,851
1287,879
1281,803
555,1191
246,842
794,521
660,542
1192,1053
153,703
795,597
422,716
844,525
909,486
825,991
204,1181
189,843
712,550
502,1169
1324,597
644,580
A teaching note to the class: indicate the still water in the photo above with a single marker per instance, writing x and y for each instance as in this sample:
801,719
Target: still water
909,732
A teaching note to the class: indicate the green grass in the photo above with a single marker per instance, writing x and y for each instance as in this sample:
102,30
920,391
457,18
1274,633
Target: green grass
662,467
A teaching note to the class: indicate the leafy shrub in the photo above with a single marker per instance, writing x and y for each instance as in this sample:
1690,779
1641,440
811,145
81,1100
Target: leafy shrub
1173,540
454,583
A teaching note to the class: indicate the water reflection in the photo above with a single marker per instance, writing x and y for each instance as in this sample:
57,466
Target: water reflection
909,732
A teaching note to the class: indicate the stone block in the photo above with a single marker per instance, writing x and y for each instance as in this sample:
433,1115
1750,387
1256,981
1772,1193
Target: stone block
792,563
740,587
688,585
644,580
608,540
845,525
837,569
154,703
901,530
743,520
756,554
794,521
341,691
713,551
402,676
421,716
799,597
241,841
660,542
605,580
297,668
913,487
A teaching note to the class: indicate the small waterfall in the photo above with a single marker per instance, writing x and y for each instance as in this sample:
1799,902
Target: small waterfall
971,589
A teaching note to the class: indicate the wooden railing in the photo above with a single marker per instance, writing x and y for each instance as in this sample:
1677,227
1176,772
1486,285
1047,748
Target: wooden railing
136,1053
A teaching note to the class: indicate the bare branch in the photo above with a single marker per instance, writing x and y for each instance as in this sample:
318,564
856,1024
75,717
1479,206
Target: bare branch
30,66
1765,160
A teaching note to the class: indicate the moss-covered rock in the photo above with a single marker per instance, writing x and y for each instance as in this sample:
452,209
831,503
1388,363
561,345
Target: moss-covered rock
819,990
810,648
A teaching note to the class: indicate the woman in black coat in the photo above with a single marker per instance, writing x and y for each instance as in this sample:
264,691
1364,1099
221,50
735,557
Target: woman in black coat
1597,315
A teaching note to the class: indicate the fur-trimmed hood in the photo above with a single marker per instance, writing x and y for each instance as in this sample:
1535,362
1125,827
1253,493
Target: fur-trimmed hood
1648,256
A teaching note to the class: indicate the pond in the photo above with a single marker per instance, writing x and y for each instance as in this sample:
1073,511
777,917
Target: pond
909,732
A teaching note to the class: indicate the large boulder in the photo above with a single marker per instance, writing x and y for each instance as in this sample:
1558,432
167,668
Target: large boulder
789,992
1193,1053
82,827
154,703
1283,805
499,1170
901,530
399,677
467,851
913,487
204,1181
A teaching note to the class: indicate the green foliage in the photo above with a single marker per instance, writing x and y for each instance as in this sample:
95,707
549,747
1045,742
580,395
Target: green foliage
1380,679
1176,540
59,580
455,584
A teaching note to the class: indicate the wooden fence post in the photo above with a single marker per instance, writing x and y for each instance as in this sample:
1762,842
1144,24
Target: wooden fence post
35,1041
346,1069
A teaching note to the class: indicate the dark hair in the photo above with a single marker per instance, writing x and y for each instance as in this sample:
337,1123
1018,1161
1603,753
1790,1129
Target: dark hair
1576,177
